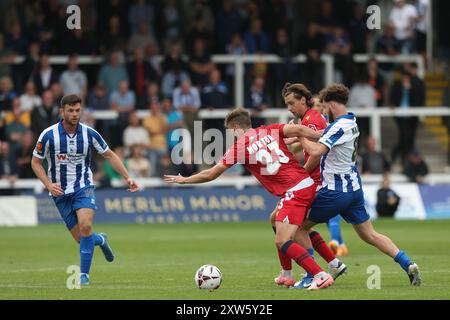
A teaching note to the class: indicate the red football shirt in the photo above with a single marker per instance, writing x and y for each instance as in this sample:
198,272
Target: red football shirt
262,151
315,121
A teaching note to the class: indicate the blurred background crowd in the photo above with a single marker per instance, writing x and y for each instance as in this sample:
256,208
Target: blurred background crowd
157,57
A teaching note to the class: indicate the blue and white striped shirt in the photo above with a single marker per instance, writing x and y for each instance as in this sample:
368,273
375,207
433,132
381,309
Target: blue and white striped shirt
69,156
338,165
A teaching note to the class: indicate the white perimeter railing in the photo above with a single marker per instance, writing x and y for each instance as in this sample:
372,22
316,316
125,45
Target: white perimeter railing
239,62
224,181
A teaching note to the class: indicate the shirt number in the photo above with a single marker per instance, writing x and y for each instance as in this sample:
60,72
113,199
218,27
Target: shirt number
263,156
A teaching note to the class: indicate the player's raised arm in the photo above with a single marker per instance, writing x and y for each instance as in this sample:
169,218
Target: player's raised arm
313,148
117,165
201,177
298,130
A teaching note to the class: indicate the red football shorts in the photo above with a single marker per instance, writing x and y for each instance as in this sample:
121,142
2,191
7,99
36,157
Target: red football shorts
293,207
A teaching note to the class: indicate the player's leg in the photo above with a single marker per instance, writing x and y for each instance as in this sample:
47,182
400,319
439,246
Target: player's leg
285,277
87,242
336,244
357,215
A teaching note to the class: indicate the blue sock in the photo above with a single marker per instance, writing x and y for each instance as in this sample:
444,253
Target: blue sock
335,229
98,240
403,260
311,253
86,253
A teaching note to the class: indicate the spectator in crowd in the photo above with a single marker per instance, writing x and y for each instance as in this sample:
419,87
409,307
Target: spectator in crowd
15,128
338,44
420,38
376,80
74,80
8,166
45,115
373,161
141,13
31,63
15,39
98,99
256,100
229,23
403,17
156,125
256,40
138,165
311,44
387,200
114,39
7,94
174,121
415,167
135,134
113,73
172,79
175,58
152,94
45,76
286,71
406,93
123,101
388,44
151,55
215,93
23,156
187,100
141,73
29,99
57,91
198,10
235,47
200,64
7,57
357,29
171,21
326,21
143,38
199,31
40,33
362,96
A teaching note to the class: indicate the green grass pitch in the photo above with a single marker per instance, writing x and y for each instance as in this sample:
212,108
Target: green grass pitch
159,262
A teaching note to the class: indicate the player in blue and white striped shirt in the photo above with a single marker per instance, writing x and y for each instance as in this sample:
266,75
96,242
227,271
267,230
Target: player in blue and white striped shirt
67,146
341,183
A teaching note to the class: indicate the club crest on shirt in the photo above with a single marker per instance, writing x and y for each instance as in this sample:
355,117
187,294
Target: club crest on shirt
39,147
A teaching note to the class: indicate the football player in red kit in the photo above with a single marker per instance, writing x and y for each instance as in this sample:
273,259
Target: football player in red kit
263,152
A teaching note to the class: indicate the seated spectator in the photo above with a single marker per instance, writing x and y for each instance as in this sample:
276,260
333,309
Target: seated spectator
123,101
135,134
215,93
389,45
256,40
377,81
151,55
200,64
387,200
8,166
171,21
256,100
373,161
235,47
312,44
73,80
200,31
7,94
57,92
228,23
23,156
172,79
141,73
15,128
45,75
403,18
174,121
174,60
138,165
357,29
16,40
156,125
113,39
143,38
29,99
187,100
31,62
113,73
98,99
45,115
141,13
415,167
152,94
338,44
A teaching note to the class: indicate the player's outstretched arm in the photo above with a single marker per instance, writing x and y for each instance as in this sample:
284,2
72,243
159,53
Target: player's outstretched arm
298,130
54,188
313,148
312,163
201,177
117,165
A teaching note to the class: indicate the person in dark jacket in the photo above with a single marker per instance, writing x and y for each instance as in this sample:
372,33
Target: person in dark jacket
387,200
44,116
415,167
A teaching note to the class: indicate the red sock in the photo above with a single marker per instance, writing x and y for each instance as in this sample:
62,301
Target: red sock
301,256
285,260
321,247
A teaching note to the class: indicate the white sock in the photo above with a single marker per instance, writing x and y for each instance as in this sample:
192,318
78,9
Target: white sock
334,263
287,273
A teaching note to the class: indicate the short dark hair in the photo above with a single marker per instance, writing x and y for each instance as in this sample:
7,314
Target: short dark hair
70,99
335,92
238,116
299,90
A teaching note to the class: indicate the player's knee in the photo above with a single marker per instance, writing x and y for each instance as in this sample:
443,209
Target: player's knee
85,229
280,240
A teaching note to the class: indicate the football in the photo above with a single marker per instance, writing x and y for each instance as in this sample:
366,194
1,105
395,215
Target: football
208,277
